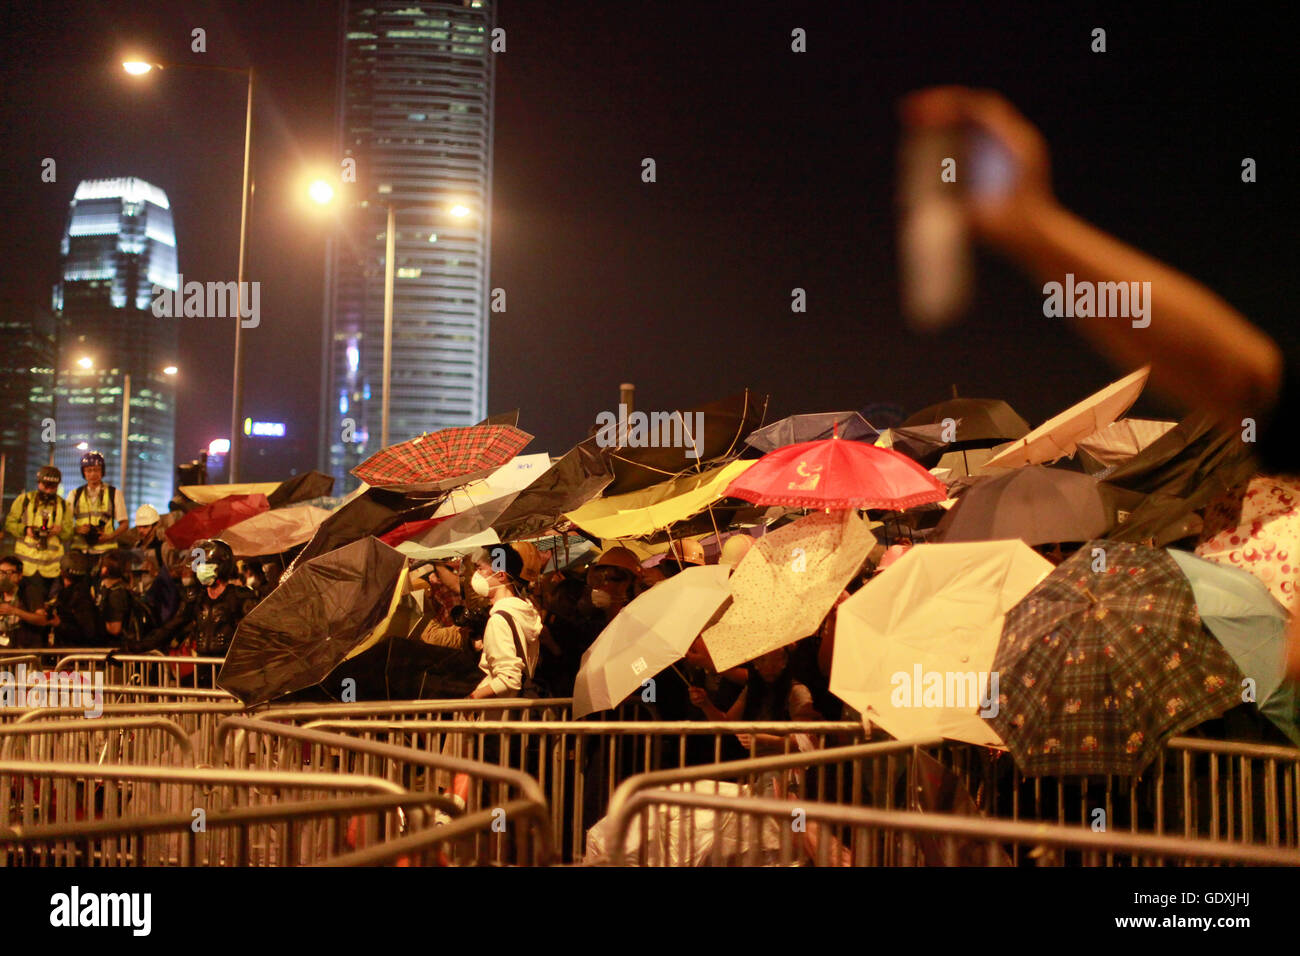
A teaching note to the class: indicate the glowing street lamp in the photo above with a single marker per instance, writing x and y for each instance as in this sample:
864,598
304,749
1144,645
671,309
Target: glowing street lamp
136,67
320,191
86,362
170,370
460,211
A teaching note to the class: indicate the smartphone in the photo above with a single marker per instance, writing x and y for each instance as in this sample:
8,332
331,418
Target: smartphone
940,171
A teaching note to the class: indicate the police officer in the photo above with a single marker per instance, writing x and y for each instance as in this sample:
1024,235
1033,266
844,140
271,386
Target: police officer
98,510
41,522
210,618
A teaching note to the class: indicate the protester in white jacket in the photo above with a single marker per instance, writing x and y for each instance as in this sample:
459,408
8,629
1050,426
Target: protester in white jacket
510,655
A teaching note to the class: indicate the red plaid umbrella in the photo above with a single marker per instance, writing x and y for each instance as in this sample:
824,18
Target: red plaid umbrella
210,520
834,473
443,459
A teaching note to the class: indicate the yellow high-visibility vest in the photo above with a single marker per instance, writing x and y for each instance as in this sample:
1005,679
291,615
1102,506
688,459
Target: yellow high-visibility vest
36,559
86,510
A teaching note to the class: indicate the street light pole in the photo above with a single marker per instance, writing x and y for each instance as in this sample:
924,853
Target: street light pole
390,253
237,399
126,423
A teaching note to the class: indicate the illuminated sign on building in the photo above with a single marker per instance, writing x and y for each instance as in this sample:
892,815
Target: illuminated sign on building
263,429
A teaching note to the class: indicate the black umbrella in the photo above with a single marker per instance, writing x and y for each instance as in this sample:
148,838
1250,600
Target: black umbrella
373,512
1036,504
567,485
981,422
921,443
304,487
330,610
801,428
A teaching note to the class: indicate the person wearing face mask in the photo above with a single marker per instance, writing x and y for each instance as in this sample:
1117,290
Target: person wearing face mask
511,645
209,619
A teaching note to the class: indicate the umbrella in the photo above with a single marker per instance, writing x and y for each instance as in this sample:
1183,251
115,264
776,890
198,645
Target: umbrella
373,512
456,534
1059,436
274,531
980,421
210,520
800,428
1120,441
207,494
335,607
643,512
921,443
1098,668
1263,537
786,584
837,474
570,482
725,423
1251,626
1182,471
510,479
651,633
1035,504
304,487
443,459
914,648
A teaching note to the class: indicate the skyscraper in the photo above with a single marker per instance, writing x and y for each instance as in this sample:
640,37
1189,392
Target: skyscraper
416,122
26,370
118,245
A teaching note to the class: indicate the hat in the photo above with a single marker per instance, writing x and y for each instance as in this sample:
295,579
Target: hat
619,557
146,514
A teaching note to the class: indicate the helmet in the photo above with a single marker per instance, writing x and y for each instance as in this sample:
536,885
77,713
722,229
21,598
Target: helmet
619,557
91,458
146,514
74,564
533,560
217,553
688,550
49,473
735,548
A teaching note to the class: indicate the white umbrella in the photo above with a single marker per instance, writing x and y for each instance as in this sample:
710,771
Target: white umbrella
1059,436
273,531
651,633
914,647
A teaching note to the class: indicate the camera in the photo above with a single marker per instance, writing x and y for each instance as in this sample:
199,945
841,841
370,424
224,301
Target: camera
94,531
473,620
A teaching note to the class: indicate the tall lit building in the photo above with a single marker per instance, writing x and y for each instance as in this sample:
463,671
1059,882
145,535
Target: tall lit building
119,244
416,118
26,370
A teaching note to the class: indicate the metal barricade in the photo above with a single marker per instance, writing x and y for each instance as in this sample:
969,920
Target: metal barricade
578,764
50,795
774,832
147,741
283,747
198,720
286,834
146,670
1229,790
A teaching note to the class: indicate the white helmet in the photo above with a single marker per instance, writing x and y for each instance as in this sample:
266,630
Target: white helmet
146,514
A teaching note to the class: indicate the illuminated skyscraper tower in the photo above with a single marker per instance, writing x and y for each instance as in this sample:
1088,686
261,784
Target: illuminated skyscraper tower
118,245
416,117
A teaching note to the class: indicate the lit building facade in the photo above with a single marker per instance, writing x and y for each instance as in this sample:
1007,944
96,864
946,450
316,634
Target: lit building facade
416,119
119,245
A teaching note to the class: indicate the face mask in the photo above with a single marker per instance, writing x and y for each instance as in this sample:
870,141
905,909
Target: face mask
252,583
601,599
187,579
480,584
207,573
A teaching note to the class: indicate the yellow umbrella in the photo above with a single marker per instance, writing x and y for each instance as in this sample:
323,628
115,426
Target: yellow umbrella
914,648
206,494
1059,436
644,512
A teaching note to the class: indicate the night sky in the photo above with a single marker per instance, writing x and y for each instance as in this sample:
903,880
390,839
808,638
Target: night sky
775,171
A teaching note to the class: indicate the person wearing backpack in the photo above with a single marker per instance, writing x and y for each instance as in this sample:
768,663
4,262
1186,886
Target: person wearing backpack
98,510
512,638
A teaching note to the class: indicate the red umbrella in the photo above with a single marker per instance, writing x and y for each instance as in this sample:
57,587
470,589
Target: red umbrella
444,458
409,529
834,473
210,520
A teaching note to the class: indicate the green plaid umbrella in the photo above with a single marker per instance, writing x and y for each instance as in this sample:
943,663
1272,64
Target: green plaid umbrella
444,459
1097,668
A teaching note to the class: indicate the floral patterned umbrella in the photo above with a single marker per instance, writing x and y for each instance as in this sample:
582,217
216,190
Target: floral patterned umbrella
1261,535
1105,660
